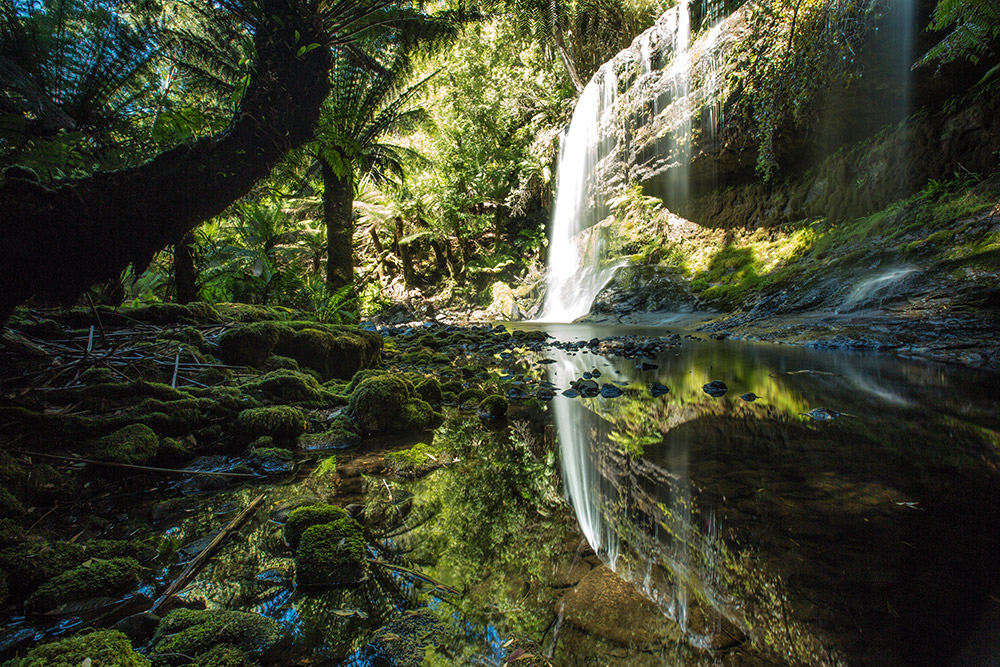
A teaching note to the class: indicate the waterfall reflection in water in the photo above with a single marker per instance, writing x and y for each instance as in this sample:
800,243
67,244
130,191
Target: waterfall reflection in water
870,538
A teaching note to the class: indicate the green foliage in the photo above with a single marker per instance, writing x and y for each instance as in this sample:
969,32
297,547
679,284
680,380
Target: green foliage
793,52
974,28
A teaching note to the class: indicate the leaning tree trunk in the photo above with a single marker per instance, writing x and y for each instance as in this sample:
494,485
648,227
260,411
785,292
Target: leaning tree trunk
338,212
57,239
404,254
185,278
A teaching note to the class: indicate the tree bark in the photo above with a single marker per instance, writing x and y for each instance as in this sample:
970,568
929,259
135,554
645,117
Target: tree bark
338,212
57,239
185,278
404,254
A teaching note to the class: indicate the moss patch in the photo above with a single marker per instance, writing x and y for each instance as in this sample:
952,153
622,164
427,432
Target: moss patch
285,386
302,518
493,407
96,577
334,352
251,344
331,554
104,648
136,443
197,632
281,422
418,460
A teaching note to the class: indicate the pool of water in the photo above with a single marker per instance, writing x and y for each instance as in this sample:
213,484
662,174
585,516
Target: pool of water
678,528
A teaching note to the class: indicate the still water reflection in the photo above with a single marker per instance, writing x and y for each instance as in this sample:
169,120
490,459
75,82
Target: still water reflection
868,538
739,532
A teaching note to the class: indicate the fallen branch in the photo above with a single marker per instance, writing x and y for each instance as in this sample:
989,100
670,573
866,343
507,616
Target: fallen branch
200,560
413,573
76,459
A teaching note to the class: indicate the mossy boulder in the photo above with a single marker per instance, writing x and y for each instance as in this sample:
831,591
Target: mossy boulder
10,506
30,564
271,460
429,390
186,635
471,396
331,554
277,362
285,386
103,648
95,577
224,656
97,375
302,518
418,460
493,407
383,403
281,422
334,352
250,344
336,437
135,443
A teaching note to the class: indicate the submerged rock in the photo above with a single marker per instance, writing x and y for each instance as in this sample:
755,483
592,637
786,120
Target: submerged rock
186,634
822,414
749,397
611,391
715,388
331,554
657,389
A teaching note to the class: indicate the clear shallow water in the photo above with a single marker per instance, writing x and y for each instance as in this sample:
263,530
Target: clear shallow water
747,528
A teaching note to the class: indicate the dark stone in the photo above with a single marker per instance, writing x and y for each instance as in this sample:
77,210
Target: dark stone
611,391
749,397
657,389
139,628
715,388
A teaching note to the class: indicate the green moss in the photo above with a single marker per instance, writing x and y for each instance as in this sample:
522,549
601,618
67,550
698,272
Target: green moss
471,396
336,437
96,577
173,451
251,344
493,407
10,506
281,422
377,403
103,648
285,386
452,387
10,533
271,460
331,554
302,518
170,417
418,460
223,656
334,352
30,564
276,362
97,375
429,390
416,414
187,634
327,466
136,443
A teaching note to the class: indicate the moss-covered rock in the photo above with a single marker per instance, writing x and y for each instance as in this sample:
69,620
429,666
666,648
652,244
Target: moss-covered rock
103,648
173,451
251,344
285,386
418,460
383,403
10,533
277,362
271,460
185,635
331,554
334,352
471,396
96,577
429,390
30,564
10,506
493,407
302,518
452,387
281,422
336,437
97,375
136,443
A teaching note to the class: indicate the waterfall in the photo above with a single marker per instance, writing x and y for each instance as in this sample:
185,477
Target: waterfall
575,274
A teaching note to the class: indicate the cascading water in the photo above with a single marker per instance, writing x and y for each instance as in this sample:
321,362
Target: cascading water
575,274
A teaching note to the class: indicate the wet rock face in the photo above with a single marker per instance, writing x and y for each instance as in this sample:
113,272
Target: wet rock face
191,633
605,605
643,289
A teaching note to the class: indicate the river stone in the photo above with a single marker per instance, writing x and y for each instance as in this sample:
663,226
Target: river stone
657,389
749,397
611,391
715,388
605,605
